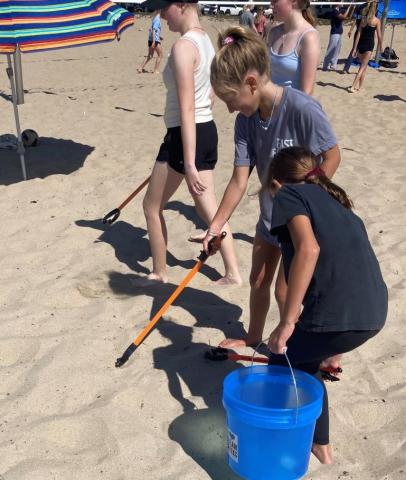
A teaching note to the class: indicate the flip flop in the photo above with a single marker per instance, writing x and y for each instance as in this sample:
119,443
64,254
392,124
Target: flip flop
331,373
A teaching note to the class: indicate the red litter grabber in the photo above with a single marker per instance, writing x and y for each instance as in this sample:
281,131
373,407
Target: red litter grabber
219,354
112,216
214,242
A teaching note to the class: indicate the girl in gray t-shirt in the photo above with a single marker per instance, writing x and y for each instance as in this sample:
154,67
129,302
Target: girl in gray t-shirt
271,118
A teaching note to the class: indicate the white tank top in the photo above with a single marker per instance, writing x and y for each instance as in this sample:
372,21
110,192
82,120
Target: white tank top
203,111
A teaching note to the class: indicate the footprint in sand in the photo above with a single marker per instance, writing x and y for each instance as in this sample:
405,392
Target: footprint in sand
95,287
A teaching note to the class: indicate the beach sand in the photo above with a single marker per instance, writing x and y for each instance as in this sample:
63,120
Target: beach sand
70,306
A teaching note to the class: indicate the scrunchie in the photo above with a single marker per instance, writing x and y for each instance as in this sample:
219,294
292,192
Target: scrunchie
315,172
228,40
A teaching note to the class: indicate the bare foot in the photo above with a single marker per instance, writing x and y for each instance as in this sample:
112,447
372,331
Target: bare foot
233,343
229,280
139,70
198,238
332,362
353,90
322,453
150,280
157,72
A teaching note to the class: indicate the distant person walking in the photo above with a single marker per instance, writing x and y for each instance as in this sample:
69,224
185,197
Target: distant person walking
294,45
365,43
154,44
358,14
247,18
336,32
260,22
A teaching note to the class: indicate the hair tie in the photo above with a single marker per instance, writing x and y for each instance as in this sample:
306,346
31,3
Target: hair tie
228,40
315,172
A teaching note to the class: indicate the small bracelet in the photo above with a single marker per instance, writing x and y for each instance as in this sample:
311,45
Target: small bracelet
212,234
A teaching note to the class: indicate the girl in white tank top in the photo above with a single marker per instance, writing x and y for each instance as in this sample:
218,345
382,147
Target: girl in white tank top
189,149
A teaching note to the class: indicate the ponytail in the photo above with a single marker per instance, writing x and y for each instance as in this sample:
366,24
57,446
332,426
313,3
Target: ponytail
296,165
331,188
308,12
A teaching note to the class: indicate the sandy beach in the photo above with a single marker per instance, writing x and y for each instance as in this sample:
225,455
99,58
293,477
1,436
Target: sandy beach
70,307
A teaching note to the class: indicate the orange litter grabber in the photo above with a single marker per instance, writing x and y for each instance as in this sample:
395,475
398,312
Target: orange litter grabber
214,242
115,213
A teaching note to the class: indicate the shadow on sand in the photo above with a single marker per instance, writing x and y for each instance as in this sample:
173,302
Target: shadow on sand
50,157
202,434
131,247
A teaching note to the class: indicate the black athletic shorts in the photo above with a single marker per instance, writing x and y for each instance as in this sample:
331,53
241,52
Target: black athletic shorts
171,150
150,43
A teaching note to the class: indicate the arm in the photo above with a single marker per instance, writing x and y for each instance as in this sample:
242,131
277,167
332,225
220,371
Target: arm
331,161
184,55
357,37
309,56
231,198
300,274
351,28
379,35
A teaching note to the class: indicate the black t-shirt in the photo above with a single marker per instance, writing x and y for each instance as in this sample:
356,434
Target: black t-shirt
336,23
347,291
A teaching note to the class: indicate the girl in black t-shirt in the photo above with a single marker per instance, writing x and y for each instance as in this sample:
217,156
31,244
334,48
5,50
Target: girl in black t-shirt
336,297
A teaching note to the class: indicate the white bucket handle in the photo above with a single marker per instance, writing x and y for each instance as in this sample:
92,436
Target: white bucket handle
285,349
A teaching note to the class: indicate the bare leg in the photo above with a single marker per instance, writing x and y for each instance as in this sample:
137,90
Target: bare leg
151,50
322,453
158,61
359,78
206,207
163,184
265,258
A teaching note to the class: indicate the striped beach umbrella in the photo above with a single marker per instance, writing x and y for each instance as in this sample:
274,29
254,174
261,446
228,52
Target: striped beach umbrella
38,25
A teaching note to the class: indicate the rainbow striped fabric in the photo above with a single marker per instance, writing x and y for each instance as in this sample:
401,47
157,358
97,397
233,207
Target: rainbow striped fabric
36,25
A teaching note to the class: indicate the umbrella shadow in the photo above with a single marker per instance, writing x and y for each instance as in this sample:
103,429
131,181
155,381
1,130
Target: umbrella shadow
202,434
131,247
208,309
52,156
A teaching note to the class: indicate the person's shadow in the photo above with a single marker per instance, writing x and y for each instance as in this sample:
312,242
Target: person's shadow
389,98
330,84
209,310
131,246
202,434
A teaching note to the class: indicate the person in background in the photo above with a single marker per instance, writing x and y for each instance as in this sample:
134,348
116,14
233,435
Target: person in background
358,14
294,45
260,22
365,43
247,18
336,31
154,44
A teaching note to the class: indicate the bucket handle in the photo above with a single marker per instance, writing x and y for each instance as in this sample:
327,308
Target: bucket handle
284,351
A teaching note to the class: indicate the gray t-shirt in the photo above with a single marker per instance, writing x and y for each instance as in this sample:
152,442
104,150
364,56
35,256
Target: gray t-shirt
299,121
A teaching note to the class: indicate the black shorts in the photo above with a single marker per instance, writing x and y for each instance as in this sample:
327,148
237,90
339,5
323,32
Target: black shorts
150,43
171,150
366,47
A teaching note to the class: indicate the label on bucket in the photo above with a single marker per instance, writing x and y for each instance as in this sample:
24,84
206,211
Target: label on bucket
232,442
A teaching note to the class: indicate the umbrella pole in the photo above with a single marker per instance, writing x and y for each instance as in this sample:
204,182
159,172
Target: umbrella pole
20,145
18,77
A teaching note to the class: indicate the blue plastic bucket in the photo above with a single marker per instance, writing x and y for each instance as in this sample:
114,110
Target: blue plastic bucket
270,430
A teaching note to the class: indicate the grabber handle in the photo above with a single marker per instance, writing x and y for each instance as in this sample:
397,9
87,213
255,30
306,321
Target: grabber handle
214,242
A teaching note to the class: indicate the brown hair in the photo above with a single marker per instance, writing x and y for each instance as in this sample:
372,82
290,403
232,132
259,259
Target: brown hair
307,12
370,11
240,50
295,165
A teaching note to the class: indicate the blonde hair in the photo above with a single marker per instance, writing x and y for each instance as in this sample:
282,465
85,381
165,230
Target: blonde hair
370,11
240,50
297,164
307,11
